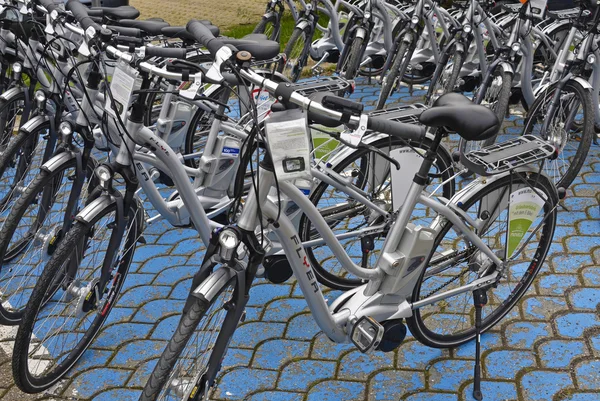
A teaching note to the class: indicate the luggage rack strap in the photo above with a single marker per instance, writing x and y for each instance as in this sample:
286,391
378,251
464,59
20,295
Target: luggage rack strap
505,156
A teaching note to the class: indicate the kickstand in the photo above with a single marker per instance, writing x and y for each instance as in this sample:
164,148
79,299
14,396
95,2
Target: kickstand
479,299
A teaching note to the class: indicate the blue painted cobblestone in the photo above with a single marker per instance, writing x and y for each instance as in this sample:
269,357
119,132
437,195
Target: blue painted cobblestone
548,348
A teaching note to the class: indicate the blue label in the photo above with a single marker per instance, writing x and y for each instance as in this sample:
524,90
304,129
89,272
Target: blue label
305,191
230,151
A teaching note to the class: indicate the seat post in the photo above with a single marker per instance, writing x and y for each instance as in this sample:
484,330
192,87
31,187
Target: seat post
422,177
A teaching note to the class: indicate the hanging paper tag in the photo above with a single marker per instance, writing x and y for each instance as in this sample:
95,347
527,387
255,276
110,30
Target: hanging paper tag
287,137
402,179
537,8
190,89
263,101
525,205
121,87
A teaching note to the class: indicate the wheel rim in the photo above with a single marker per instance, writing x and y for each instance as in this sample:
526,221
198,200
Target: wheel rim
29,248
293,64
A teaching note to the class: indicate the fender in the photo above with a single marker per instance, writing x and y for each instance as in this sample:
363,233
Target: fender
369,139
507,67
30,125
59,160
302,24
360,33
211,286
9,94
88,213
583,82
463,196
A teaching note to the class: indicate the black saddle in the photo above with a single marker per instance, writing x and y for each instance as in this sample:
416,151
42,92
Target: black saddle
151,28
181,33
115,13
454,111
257,44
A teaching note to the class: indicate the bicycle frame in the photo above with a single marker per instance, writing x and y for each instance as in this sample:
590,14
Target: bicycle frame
367,299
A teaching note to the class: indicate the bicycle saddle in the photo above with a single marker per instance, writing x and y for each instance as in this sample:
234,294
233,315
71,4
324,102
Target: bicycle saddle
152,28
456,112
181,33
116,13
257,44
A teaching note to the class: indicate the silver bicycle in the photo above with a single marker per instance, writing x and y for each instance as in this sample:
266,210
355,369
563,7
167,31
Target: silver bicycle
449,280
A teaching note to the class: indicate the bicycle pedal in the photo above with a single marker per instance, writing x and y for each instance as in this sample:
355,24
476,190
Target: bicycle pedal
367,334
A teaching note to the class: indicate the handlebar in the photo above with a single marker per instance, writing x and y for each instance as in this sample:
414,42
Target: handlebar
204,36
80,13
48,5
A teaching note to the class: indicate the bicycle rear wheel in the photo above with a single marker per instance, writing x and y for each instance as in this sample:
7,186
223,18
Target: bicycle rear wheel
455,262
181,369
570,128
67,306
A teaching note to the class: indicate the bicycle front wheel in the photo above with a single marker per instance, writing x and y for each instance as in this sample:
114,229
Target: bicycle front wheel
181,369
31,233
569,126
456,262
296,54
68,305
391,81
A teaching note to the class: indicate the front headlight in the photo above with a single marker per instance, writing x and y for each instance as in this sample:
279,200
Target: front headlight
467,28
516,47
414,19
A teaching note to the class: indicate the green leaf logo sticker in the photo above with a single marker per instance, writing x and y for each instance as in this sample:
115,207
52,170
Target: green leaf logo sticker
524,207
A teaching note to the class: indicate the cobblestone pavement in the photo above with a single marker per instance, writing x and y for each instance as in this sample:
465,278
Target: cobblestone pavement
548,348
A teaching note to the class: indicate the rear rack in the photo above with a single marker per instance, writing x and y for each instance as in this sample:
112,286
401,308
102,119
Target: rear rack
564,14
404,114
335,84
505,156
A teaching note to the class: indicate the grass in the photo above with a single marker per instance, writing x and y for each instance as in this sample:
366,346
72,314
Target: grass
287,27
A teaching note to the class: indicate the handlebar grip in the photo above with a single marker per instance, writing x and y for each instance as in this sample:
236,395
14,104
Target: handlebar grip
166,52
204,36
48,5
80,13
394,128
125,31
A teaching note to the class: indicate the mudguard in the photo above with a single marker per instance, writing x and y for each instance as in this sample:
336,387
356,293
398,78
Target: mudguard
58,161
9,94
88,213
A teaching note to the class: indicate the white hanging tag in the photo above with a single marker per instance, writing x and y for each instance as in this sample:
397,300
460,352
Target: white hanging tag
121,87
288,141
409,161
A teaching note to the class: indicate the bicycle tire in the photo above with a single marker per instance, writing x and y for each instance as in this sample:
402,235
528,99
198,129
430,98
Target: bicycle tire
9,112
50,284
176,346
334,276
44,196
302,37
263,27
424,329
391,78
349,65
21,159
564,170
449,84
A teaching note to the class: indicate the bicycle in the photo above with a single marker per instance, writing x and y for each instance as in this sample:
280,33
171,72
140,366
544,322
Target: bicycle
371,316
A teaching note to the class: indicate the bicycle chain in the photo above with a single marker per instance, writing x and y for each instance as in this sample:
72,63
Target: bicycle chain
462,273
